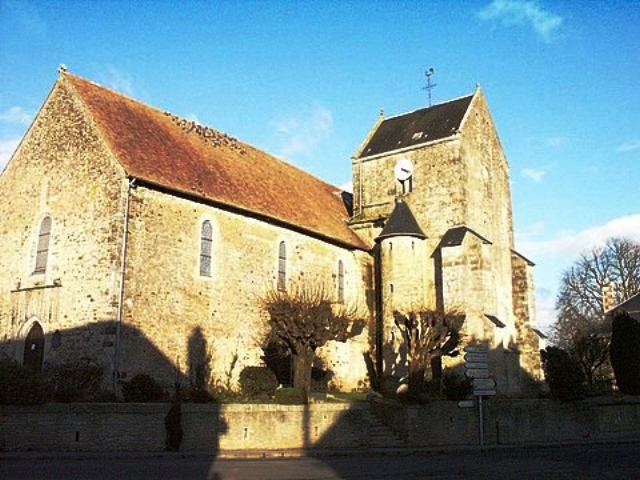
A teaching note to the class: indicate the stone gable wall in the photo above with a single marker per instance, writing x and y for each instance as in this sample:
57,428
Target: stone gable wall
61,170
489,209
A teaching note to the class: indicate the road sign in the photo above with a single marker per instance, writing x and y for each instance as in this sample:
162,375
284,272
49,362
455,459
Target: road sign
476,349
479,365
484,384
484,393
476,357
477,373
466,403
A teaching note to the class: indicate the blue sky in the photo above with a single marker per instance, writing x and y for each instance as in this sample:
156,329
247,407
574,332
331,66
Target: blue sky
306,81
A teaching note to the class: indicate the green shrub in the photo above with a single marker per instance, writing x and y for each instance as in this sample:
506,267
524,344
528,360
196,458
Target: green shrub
564,375
223,395
625,353
456,386
320,380
290,396
19,385
258,382
73,382
200,395
143,389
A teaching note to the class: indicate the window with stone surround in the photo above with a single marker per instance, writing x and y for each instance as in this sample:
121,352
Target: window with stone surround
340,282
42,250
282,266
206,240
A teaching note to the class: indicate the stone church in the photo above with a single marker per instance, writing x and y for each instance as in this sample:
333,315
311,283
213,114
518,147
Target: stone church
136,239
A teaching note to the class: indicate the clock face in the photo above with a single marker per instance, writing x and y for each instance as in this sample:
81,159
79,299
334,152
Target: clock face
404,169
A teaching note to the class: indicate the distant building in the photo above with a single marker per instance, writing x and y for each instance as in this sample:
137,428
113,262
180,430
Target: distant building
631,306
143,242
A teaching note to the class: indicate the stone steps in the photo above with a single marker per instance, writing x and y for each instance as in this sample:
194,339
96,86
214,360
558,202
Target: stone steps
381,436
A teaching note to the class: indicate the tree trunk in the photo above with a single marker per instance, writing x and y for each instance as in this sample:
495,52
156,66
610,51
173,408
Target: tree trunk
302,363
416,378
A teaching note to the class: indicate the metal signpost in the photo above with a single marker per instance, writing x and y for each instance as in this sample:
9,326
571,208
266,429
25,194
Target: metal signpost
476,364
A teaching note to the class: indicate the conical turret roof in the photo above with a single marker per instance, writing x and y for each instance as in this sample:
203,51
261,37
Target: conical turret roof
401,223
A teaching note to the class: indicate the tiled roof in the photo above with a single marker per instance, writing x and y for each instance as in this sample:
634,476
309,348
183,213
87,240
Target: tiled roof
183,156
401,222
417,127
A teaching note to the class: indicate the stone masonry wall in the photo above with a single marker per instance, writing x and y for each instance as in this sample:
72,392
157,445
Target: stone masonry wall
488,208
176,307
61,170
274,428
523,307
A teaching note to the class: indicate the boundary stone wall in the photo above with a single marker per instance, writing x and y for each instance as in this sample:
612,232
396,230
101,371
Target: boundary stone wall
215,428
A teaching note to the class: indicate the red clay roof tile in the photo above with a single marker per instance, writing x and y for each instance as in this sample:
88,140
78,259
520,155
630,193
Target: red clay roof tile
180,155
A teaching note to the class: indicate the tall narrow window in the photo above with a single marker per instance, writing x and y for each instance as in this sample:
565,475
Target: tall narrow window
206,239
340,282
42,251
282,267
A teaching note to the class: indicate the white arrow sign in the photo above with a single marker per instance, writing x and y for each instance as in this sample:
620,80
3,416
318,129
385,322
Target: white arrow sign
472,365
484,393
484,383
477,373
476,357
476,349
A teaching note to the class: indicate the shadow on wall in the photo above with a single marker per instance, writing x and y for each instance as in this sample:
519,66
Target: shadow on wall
381,424
124,354
504,366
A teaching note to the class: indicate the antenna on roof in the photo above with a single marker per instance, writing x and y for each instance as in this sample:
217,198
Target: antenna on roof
430,85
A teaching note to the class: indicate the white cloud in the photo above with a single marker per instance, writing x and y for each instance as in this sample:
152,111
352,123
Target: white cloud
545,309
347,187
193,117
629,146
523,12
554,142
553,255
302,133
118,80
15,115
535,175
574,243
7,147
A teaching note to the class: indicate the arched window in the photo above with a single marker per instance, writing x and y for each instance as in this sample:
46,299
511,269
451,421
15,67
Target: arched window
206,240
282,267
42,251
340,282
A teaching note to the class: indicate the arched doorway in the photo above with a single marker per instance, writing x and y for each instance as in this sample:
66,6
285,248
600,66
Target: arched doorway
34,348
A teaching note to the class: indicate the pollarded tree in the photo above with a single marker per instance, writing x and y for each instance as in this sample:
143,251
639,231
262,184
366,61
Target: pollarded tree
582,328
304,321
428,335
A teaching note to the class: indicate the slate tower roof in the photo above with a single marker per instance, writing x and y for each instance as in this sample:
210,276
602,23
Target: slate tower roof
417,127
401,222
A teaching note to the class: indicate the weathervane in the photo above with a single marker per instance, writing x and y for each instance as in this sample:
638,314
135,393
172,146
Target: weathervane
430,85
